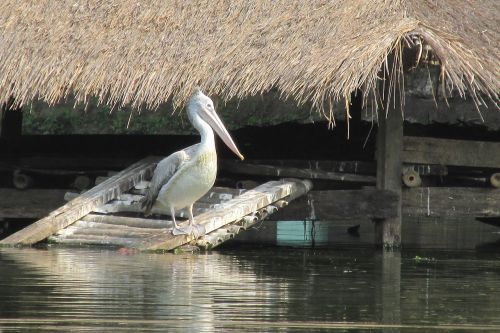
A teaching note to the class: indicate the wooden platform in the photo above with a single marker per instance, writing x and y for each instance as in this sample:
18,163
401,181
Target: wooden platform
110,214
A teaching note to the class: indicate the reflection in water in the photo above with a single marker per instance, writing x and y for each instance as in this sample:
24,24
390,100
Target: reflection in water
258,290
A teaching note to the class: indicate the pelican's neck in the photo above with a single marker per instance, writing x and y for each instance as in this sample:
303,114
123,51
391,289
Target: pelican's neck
206,132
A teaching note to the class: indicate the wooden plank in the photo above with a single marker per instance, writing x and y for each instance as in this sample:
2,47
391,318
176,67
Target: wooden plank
274,171
128,221
84,204
451,202
341,204
30,203
380,204
451,152
81,232
233,210
352,167
426,169
103,227
78,240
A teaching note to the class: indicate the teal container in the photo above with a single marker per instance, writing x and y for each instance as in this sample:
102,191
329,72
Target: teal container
301,233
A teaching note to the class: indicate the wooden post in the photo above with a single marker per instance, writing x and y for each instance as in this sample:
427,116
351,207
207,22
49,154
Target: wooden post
389,147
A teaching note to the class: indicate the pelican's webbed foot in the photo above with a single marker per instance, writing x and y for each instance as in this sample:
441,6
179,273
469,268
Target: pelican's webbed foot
195,230
176,231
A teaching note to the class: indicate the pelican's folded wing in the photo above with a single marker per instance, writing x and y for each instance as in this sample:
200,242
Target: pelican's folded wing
165,169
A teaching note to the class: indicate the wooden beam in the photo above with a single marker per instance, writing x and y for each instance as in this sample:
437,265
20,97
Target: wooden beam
231,211
451,152
84,204
276,171
343,167
451,202
30,203
381,204
341,204
353,167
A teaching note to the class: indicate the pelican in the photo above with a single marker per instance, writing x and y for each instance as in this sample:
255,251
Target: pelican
182,178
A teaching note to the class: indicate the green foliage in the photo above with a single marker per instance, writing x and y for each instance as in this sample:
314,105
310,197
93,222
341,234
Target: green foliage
39,118
64,119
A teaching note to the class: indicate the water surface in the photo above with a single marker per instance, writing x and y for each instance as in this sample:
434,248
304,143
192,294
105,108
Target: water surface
249,290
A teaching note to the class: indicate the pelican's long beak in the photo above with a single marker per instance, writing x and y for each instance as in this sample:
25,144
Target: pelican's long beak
214,121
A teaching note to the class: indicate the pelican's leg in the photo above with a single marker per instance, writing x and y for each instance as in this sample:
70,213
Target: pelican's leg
197,229
176,230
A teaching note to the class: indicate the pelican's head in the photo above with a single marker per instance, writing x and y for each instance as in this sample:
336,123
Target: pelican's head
200,105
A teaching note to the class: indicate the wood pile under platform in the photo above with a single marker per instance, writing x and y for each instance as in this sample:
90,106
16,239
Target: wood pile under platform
110,214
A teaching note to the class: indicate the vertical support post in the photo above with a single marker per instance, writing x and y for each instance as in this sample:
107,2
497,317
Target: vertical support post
388,154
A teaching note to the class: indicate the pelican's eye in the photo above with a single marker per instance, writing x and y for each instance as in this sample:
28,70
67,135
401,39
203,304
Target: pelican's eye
209,106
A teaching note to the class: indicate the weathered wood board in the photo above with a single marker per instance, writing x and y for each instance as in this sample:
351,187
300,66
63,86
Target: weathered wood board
451,152
351,167
274,171
341,204
84,204
451,202
321,166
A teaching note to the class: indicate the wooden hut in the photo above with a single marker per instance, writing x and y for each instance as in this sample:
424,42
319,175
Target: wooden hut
143,54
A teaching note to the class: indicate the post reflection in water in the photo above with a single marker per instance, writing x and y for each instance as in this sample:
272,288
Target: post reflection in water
389,294
272,289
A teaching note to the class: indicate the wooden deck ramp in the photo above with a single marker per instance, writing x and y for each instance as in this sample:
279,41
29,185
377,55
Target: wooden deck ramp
110,215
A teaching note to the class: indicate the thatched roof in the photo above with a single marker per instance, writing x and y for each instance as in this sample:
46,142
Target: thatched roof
142,53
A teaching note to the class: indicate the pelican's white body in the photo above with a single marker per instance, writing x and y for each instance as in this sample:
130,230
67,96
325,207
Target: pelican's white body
193,180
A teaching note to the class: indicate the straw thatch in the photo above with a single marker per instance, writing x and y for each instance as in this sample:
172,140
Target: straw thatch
143,53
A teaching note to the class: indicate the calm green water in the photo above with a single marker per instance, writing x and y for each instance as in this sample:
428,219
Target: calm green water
257,290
